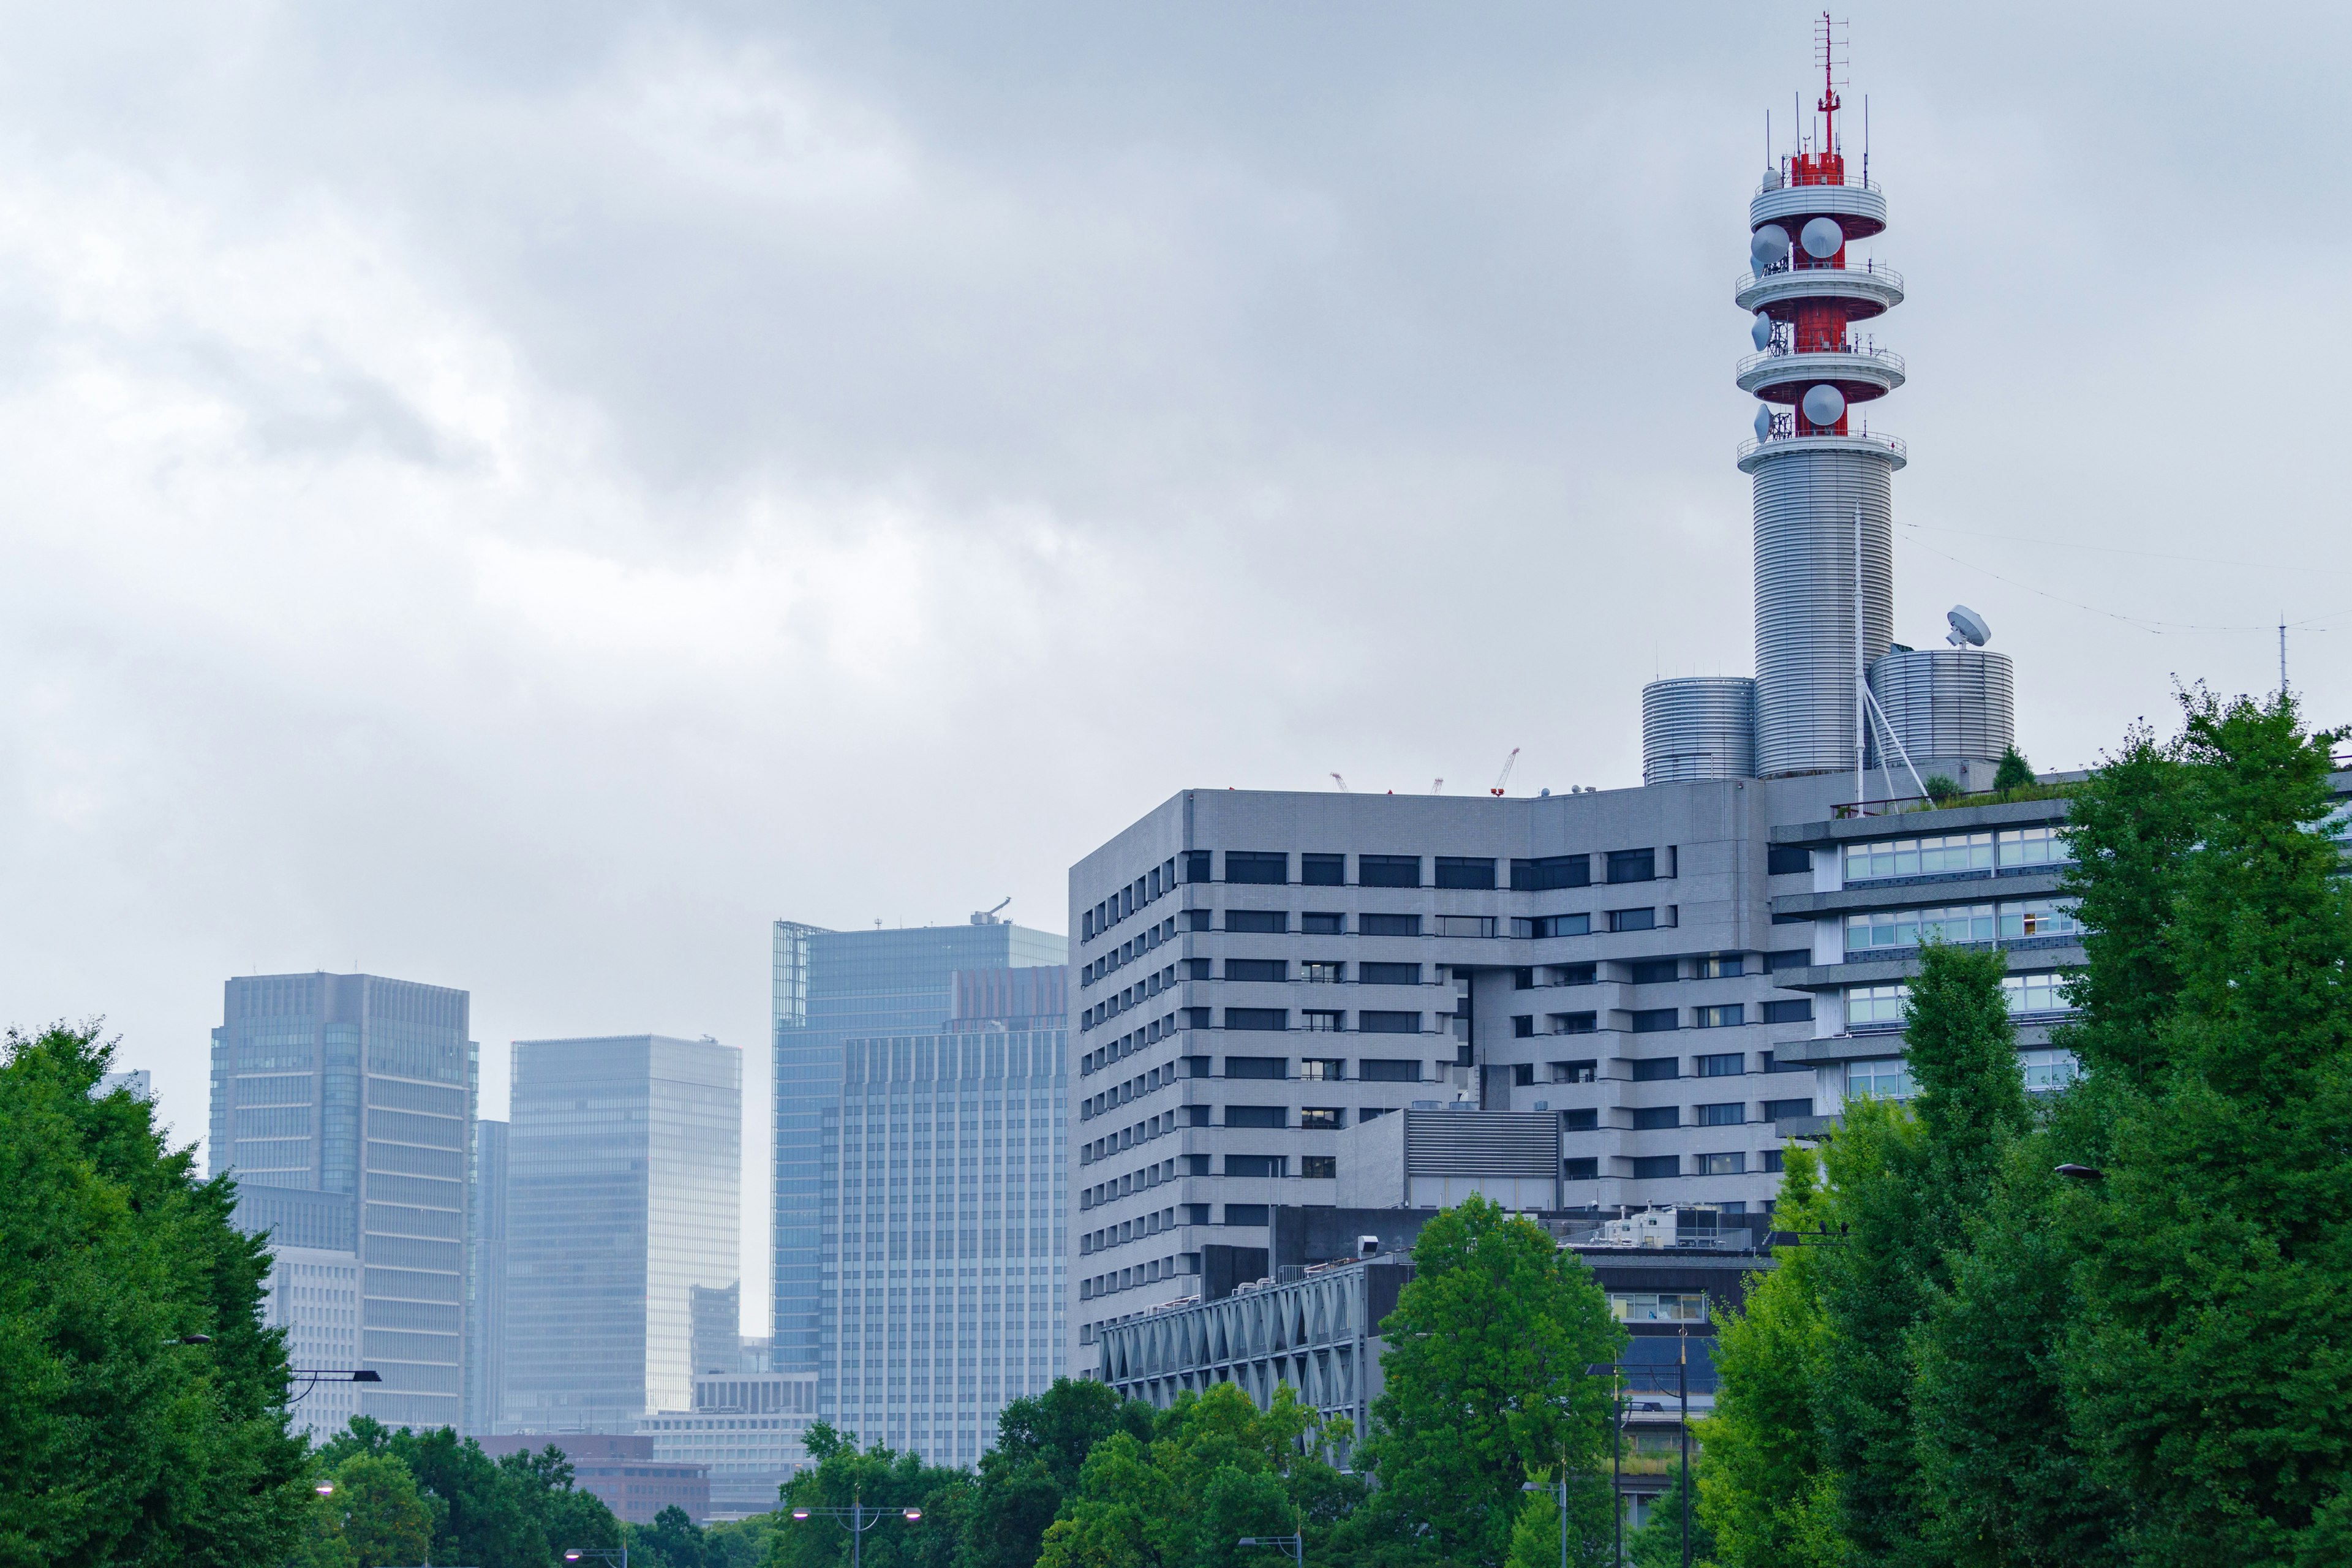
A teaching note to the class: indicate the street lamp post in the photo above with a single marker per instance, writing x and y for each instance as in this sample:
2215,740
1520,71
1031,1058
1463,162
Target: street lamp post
1294,1545
859,1519
309,1378
616,1555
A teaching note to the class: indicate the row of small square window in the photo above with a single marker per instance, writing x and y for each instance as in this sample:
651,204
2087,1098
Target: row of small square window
2008,849
2014,919
1313,1069
1661,1020
1655,1167
1272,867
2042,990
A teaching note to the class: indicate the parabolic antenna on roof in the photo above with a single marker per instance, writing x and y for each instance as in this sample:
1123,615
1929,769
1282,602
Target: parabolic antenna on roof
1821,238
1760,334
1969,628
1763,424
1768,247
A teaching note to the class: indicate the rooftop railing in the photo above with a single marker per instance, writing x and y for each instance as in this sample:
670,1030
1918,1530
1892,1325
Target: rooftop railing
1886,357
1870,268
1749,447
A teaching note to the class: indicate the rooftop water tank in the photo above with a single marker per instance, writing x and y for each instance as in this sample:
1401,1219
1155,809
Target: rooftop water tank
1948,703
1699,727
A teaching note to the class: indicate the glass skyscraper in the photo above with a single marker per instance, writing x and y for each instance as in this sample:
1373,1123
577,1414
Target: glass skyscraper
829,987
485,1282
344,1105
951,1217
624,1189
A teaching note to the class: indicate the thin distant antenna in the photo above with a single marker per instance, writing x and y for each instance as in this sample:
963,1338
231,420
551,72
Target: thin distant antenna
1866,139
2281,653
1768,138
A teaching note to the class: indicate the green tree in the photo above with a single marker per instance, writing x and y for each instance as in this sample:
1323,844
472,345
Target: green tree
1042,1443
521,1511
2205,1370
118,1444
1214,1470
379,1513
2014,772
672,1540
1486,1383
876,1478
1659,1543
1767,1494
1536,1534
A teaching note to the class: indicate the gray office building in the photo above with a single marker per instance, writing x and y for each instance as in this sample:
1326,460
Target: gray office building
951,1211
485,1281
830,987
344,1106
624,1189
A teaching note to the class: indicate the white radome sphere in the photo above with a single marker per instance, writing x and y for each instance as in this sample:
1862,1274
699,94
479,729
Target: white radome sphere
1823,238
1824,404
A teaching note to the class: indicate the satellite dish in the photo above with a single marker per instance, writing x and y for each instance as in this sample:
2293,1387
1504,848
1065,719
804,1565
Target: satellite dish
1969,628
1823,238
1762,332
1763,424
1824,404
1768,247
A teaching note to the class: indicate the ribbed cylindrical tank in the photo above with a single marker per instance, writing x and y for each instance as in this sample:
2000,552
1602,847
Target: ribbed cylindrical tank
1703,727
1948,703
1806,495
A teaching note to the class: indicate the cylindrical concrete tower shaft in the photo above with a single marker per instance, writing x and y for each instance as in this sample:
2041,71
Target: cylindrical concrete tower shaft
1816,465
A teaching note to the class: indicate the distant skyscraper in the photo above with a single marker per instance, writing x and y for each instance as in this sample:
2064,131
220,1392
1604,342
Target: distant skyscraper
624,1188
314,1295
831,986
344,1104
485,1282
953,1276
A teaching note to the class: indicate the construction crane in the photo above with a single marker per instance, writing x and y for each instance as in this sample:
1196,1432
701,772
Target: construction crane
1341,782
1437,786
1505,776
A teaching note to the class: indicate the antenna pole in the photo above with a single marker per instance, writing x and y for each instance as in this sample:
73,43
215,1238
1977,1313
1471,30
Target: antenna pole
1861,679
1866,139
2281,654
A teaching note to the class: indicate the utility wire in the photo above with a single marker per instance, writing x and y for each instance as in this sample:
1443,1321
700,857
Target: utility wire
2141,623
2119,549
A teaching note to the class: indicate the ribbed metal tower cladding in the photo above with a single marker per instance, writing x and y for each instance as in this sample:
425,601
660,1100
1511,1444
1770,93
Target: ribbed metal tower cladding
1698,727
1814,464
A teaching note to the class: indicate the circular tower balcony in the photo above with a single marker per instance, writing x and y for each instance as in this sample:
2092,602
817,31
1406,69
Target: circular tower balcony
1860,209
1868,290
1862,374
1753,454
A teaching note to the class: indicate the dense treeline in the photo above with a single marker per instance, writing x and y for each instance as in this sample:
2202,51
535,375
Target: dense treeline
2139,1362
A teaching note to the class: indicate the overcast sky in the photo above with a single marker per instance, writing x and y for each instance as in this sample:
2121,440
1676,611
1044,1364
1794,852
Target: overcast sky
521,496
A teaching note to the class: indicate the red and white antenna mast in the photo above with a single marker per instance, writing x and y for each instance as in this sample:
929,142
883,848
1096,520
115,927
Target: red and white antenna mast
1829,103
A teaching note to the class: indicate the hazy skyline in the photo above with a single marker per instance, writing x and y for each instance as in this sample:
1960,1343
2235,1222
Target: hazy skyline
518,500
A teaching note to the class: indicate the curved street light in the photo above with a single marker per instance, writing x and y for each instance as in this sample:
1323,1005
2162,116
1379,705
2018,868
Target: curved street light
859,1519
616,1555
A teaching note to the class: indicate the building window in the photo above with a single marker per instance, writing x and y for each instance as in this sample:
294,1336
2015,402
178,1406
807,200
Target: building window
1369,1022
1544,927
1800,1010
1584,1121
1388,871
1387,974
1786,1109
2041,993
1523,979
1254,866
1319,1167
1523,1075
1481,926
1938,857
1584,1169
1650,1167
1722,1016
1243,1214
1257,1067
1652,1020
1633,920
1321,1119
1722,1115
1378,1069
1552,871
1723,1164
1573,1023
1465,871
1652,1069
2026,919
2025,847
1257,1019
1769,1161
1523,1027
1723,966
1196,865
1323,1020
1322,922
1574,1072
1323,870
1262,921
1323,1069
1643,1307
1877,1081
1270,1115
1788,861
1653,970
1199,920
1869,1006
2046,1072
1322,971
1632,865
1656,1118
1387,925
1274,969
1730,1064
1573,973
1883,930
